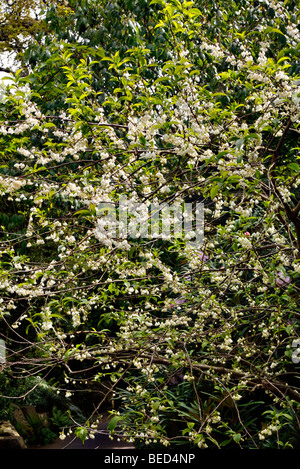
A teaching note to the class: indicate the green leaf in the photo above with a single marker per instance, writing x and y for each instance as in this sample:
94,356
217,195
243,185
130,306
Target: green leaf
83,213
114,422
214,190
93,209
294,166
237,437
81,433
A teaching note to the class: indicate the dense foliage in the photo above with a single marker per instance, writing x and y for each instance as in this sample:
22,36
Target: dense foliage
22,21
161,102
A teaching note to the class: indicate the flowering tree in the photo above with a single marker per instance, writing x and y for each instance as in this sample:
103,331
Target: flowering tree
200,103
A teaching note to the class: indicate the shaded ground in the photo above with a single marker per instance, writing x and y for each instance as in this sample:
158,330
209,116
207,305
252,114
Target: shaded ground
101,441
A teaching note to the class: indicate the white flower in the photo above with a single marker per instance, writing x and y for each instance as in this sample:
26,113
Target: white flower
62,435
